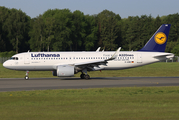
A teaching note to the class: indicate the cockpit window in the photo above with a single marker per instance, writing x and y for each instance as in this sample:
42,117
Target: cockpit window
14,58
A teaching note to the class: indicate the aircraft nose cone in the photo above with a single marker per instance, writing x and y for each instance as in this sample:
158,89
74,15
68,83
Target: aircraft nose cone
5,64
8,64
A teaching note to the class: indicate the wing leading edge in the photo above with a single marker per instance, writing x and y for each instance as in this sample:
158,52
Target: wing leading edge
95,65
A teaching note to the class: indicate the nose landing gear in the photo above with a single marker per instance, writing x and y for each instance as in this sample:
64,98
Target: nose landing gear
26,75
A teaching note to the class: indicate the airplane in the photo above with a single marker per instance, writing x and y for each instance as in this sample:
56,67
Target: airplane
66,64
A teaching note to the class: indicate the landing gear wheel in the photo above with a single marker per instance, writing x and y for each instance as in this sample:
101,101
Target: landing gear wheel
86,76
26,77
82,76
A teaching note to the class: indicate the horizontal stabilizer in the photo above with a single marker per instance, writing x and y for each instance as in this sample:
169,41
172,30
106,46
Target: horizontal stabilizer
166,55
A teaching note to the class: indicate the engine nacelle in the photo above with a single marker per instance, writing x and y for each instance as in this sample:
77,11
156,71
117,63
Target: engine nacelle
64,71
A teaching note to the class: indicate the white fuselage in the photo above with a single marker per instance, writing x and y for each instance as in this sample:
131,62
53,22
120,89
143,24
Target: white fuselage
48,61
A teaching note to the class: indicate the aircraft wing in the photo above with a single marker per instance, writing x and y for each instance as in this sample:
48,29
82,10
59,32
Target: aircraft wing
91,64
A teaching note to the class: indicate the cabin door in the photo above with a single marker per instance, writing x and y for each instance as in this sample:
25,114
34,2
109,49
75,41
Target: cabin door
27,58
139,58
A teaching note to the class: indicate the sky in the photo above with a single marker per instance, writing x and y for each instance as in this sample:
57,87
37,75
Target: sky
124,8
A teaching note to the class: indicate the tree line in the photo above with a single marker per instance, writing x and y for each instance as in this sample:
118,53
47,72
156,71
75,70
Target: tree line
63,30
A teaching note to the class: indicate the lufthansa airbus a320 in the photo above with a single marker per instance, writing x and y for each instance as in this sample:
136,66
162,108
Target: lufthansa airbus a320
65,64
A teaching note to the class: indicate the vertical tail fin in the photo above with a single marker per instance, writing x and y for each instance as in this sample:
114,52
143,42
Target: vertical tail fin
158,41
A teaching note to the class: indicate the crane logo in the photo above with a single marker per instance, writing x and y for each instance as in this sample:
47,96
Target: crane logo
160,38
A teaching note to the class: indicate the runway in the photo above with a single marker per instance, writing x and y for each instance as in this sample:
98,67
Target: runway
20,84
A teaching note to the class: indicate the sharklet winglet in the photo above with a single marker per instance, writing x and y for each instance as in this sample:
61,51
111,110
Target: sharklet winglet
115,54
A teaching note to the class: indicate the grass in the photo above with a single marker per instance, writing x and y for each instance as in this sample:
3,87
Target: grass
130,103
139,103
152,70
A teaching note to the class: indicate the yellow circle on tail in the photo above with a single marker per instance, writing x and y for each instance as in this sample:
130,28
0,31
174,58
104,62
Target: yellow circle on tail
160,38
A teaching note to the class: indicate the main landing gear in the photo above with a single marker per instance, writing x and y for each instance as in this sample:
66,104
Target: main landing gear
26,75
84,76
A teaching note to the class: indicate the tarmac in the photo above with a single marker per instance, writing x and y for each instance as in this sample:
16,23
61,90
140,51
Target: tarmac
20,84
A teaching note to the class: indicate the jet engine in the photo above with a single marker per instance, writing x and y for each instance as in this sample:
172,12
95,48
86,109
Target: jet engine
64,71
